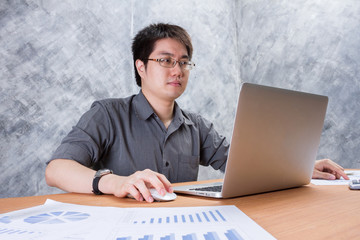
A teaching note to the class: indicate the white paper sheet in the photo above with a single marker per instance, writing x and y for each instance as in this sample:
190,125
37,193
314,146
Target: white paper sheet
351,174
55,220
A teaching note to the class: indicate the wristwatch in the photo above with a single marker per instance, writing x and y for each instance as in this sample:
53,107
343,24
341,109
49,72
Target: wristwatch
98,175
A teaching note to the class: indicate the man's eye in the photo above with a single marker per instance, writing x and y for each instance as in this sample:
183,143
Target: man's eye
184,63
164,60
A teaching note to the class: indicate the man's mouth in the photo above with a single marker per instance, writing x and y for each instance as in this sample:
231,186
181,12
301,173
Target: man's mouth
175,83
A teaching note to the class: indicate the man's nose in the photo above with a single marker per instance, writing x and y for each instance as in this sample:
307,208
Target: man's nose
177,68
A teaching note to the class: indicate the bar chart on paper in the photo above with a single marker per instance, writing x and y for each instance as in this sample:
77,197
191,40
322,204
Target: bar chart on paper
210,216
193,223
231,234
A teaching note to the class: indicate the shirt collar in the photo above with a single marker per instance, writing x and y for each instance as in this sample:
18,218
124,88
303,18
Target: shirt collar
144,110
142,106
180,117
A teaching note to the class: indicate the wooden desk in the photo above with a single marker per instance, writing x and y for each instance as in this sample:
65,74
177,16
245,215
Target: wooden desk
308,212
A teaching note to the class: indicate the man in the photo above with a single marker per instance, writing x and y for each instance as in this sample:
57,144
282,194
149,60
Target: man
146,139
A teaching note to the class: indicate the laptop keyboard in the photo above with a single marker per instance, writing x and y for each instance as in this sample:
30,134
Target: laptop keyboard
209,189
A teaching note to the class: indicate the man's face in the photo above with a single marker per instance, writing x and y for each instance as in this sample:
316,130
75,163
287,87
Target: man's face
161,82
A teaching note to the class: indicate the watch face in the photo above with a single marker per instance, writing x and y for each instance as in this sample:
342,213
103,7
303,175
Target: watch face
102,172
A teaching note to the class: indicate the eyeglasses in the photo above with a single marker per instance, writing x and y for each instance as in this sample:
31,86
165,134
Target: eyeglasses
170,63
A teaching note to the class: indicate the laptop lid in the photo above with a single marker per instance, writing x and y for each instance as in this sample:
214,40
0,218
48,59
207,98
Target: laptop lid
274,144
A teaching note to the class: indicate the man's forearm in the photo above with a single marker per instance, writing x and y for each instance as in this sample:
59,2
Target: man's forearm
69,176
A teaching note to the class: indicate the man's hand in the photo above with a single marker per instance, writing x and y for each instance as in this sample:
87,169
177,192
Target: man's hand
137,185
329,170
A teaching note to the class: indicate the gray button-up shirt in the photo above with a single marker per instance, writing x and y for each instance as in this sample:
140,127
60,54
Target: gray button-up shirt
126,135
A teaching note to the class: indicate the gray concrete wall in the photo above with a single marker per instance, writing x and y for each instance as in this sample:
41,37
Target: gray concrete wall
57,57
311,46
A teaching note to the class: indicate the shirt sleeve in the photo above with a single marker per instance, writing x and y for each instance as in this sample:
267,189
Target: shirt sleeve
214,147
88,139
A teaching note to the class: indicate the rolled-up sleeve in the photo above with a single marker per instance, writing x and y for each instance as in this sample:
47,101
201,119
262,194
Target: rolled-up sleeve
88,140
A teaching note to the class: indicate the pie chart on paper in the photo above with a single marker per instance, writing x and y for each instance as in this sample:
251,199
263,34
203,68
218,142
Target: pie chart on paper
57,218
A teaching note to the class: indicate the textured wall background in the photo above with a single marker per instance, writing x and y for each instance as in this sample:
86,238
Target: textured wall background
57,57
310,46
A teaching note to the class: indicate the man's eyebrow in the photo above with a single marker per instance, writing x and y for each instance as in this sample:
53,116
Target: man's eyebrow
172,55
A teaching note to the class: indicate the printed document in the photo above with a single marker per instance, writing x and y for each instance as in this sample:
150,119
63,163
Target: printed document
351,174
55,220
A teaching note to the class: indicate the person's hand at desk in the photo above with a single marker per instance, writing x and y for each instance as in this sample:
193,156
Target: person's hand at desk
137,185
329,170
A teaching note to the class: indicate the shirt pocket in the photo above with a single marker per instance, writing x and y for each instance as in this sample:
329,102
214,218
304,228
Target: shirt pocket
188,168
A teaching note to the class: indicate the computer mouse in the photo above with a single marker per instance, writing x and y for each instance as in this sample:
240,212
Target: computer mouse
157,196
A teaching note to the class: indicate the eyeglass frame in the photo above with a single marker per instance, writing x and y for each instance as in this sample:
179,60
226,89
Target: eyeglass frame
188,66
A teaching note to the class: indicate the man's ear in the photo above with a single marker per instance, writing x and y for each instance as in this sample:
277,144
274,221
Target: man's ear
140,67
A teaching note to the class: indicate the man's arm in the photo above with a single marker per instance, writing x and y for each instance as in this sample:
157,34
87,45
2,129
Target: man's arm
71,176
327,169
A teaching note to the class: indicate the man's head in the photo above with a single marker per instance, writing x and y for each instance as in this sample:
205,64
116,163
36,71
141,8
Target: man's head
144,42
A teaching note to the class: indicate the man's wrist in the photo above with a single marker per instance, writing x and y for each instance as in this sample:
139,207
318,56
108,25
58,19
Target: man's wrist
106,184
98,175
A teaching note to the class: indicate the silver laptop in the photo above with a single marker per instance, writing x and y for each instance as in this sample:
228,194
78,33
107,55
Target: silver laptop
274,144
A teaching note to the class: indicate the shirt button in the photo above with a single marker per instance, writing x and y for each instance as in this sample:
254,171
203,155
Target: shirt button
167,164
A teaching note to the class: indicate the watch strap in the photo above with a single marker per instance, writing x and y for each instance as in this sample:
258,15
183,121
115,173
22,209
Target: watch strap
100,173
95,186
